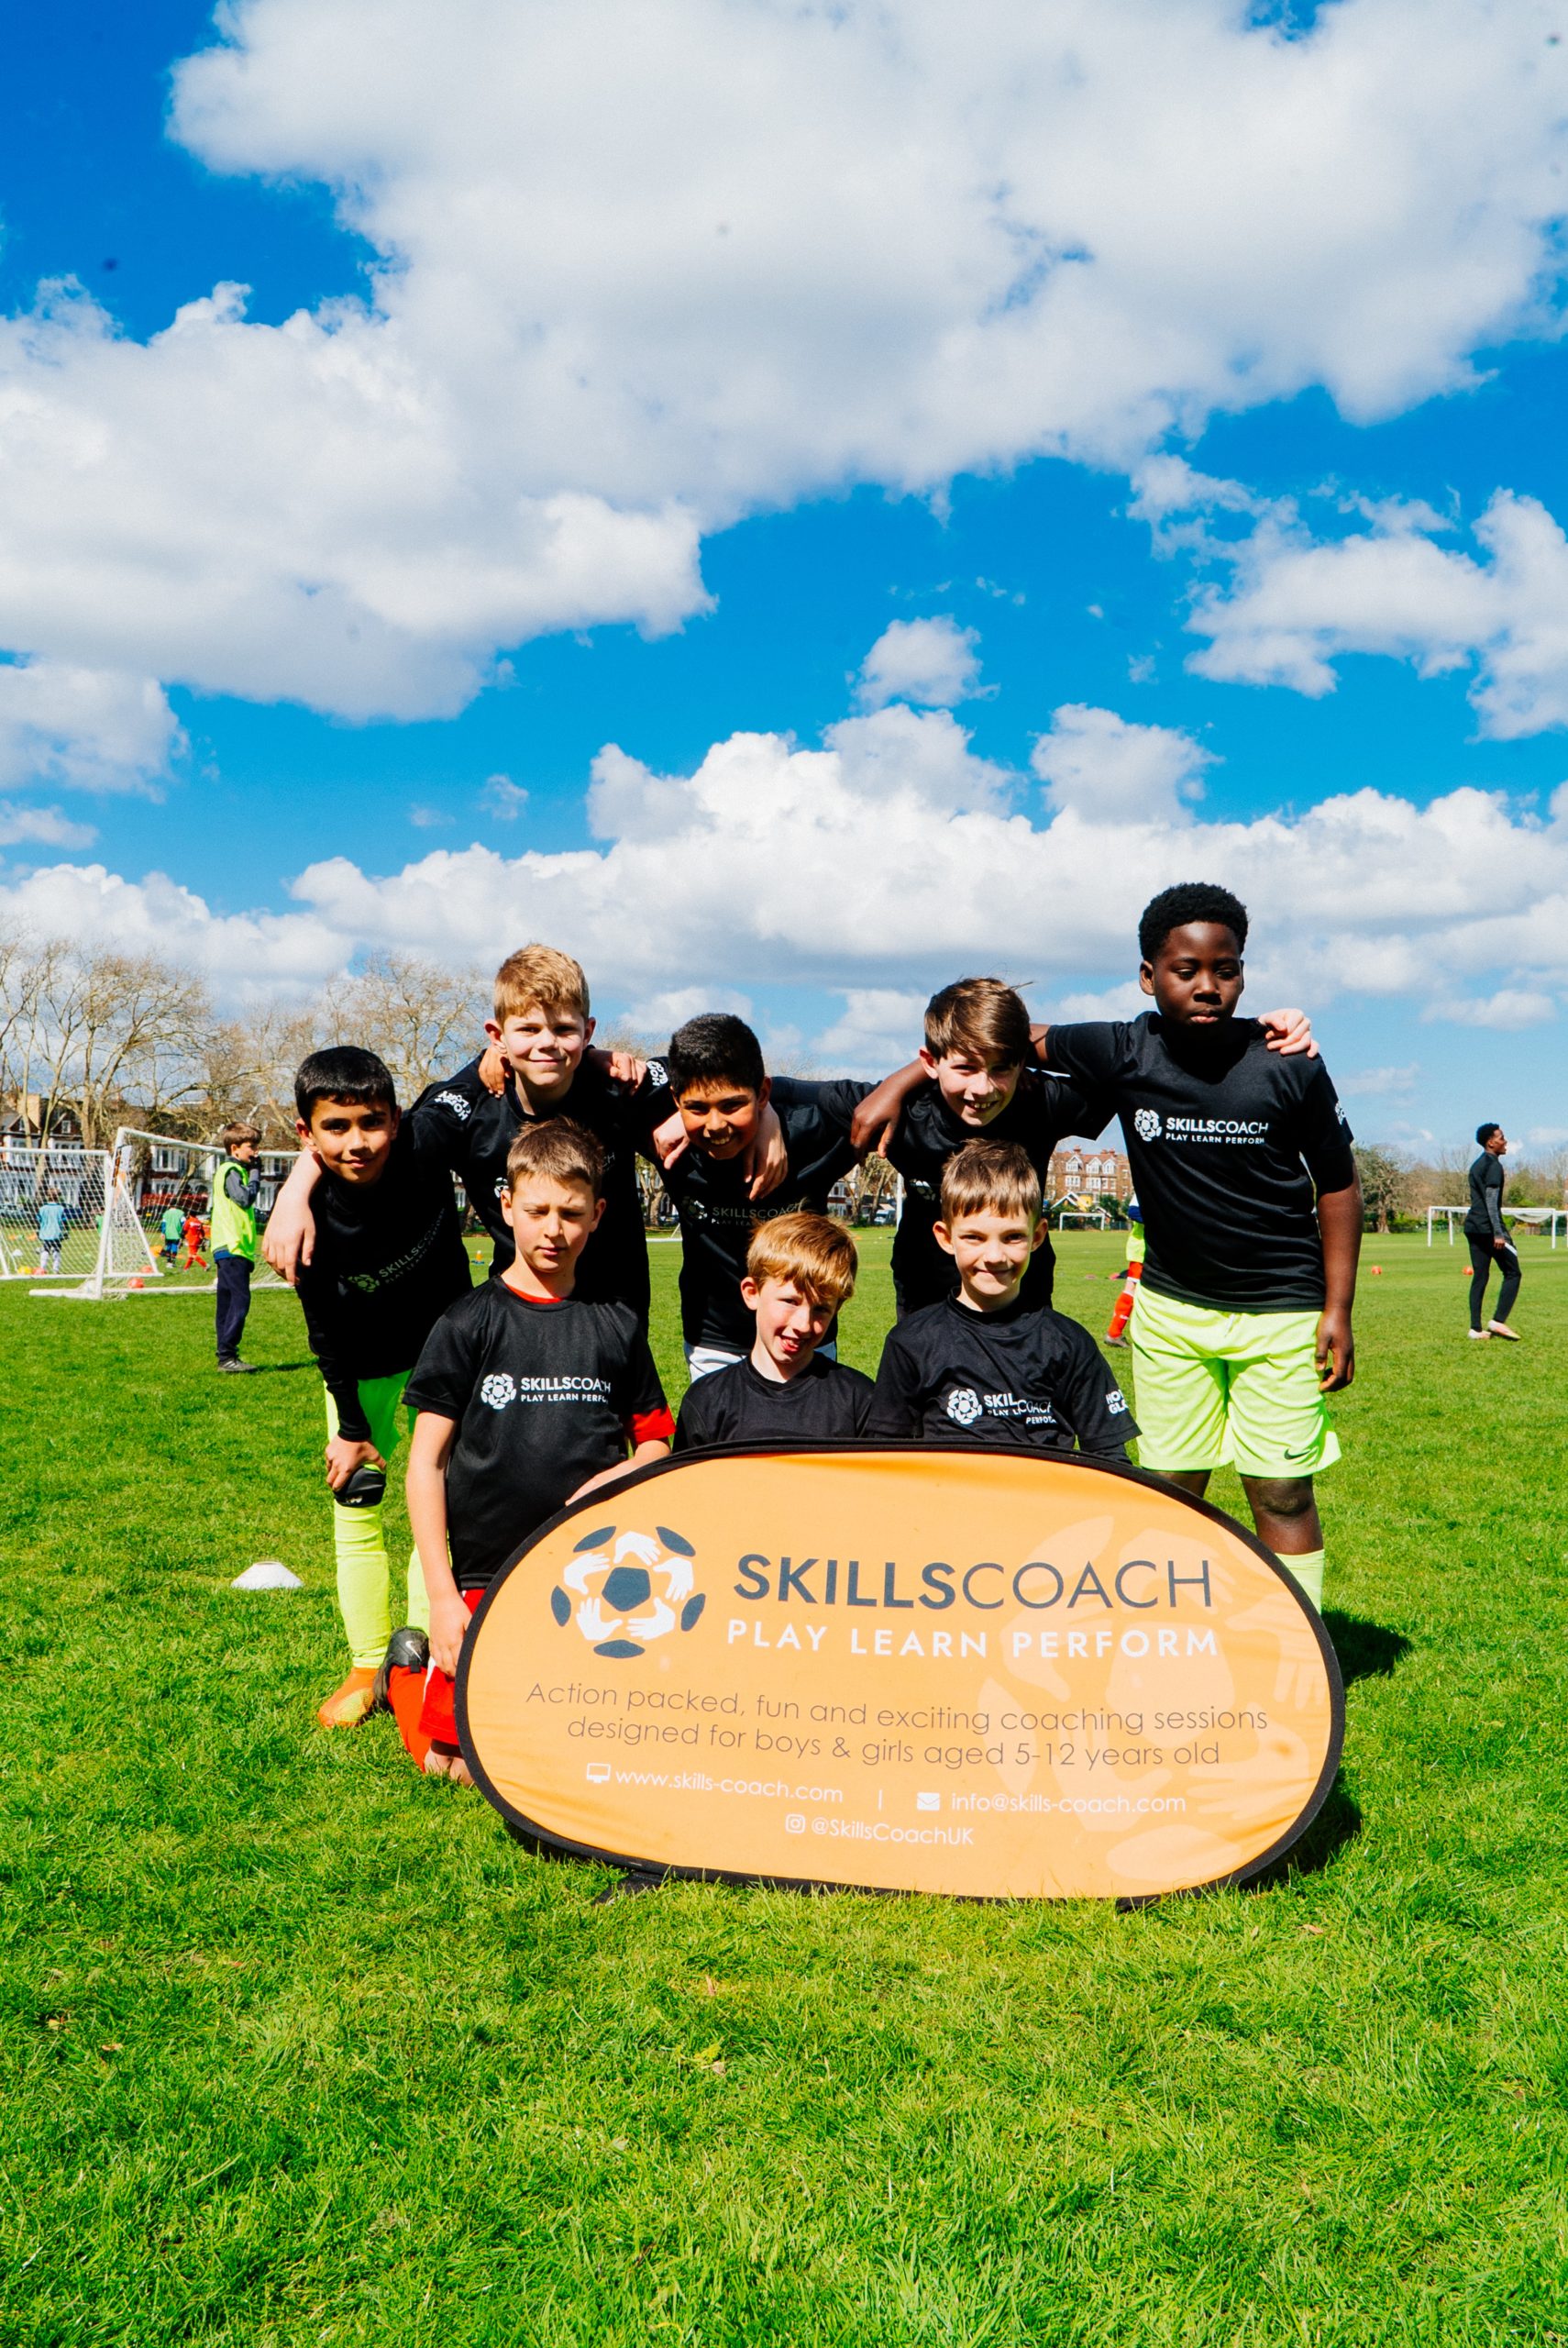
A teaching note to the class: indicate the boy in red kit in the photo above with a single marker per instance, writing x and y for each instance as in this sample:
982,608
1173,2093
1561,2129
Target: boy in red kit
527,1396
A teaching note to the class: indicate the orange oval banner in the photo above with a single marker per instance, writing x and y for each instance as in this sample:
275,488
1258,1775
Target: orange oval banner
991,1674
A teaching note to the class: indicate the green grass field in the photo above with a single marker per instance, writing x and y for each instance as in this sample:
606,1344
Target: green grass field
300,2048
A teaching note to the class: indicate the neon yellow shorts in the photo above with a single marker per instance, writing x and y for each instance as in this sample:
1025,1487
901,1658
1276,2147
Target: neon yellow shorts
1238,1390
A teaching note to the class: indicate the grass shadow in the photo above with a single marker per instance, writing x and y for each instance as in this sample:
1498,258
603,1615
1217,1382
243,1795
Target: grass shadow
1338,1822
1365,1650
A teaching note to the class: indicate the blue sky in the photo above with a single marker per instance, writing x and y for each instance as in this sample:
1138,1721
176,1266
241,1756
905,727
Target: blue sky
603,422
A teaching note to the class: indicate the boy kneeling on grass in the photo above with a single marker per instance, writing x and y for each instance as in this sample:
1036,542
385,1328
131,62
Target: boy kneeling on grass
526,1396
799,1270
984,1366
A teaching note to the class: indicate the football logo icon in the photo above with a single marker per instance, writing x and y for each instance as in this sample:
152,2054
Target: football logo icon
623,1590
965,1406
1146,1125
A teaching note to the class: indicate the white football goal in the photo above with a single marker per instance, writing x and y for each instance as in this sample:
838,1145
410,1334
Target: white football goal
1534,1216
144,1221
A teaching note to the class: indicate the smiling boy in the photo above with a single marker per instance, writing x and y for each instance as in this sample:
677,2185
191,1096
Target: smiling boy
388,1260
985,1366
539,1066
722,1090
799,1272
1251,1210
978,1044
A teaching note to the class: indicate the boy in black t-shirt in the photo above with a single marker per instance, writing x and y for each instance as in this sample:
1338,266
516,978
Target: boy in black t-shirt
388,1260
527,1395
1252,1210
977,1045
722,1090
799,1270
984,1366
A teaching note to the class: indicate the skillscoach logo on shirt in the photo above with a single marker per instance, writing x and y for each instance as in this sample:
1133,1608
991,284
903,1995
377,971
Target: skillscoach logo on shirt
1149,1126
501,1387
965,1406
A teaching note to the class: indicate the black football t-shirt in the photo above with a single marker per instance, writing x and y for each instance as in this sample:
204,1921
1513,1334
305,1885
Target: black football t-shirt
1229,1145
389,1259
822,1402
544,1396
718,1214
1025,1377
1042,1113
478,1128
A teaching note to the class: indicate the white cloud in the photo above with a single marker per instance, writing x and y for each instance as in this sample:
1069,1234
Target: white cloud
428,819
638,272
1378,1083
503,798
90,729
1097,764
1296,605
1510,1008
934,661
47,826
878,1028
890,860
658,1016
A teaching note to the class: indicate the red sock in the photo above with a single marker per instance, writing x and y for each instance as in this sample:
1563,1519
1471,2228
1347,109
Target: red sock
406,1694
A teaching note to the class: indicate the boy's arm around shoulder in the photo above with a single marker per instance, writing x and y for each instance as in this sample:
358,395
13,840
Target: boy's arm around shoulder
288,1239
875,1120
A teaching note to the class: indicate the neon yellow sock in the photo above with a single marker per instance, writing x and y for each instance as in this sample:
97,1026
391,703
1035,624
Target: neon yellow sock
1308,1569
358,1539
363,1574
418,1596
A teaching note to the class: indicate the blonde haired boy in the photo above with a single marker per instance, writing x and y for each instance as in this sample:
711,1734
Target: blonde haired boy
799,1270
540,1030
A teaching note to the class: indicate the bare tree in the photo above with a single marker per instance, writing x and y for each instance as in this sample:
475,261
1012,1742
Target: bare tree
423,1019
135,1027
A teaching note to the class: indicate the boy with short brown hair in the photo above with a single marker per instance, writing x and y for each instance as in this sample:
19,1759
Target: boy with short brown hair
985,1366
976,1051
800,1271
526,1394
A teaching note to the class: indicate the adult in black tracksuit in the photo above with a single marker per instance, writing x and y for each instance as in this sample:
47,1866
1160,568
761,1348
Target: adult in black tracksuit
1489,1242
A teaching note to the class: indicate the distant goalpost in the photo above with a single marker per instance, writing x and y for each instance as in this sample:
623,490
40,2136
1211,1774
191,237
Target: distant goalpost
1551,1217
125,1199
36,1177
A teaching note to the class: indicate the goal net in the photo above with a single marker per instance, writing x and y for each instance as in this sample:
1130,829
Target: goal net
151,1229
52,1198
